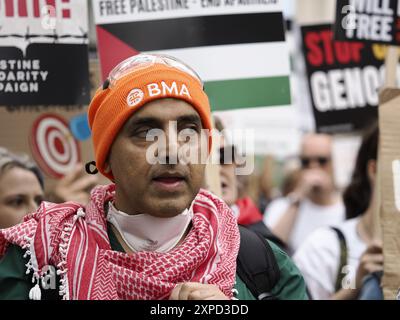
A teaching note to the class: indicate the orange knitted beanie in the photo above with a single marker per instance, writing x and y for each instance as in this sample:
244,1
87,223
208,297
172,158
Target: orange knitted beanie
112,106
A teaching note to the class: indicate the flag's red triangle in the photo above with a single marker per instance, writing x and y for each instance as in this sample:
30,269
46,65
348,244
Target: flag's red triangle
111,50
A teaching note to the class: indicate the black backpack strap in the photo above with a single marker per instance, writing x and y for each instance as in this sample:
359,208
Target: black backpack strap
262,229
256,264
343,258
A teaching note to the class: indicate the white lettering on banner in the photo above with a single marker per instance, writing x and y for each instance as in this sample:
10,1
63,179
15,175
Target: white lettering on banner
396,183
14,64
154,89
21,76
22,87
346,88
372,6
376,28
370,20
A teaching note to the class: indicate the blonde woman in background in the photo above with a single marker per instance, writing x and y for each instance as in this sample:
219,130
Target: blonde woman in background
21,188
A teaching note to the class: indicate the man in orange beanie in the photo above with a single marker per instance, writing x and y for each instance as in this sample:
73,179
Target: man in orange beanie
153,233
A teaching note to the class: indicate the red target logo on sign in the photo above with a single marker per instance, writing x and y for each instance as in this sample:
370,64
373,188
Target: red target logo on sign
54,148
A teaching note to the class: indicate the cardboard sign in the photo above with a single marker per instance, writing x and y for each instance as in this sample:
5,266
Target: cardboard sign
44,52
344,79
389,158
53,146
373,21
55,137
238,48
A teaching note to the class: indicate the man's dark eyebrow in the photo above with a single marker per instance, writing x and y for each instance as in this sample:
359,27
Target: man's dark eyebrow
146,121
156,123
190,118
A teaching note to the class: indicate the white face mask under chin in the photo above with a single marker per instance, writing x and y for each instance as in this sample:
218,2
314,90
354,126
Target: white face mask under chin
144,232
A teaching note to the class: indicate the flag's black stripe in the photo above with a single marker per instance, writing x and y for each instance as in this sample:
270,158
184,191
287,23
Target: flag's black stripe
200,31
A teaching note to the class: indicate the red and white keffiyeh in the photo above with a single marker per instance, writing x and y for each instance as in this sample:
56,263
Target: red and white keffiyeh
75,240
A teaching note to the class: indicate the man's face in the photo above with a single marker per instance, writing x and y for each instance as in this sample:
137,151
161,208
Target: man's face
228,183
317,152
316,156
162,190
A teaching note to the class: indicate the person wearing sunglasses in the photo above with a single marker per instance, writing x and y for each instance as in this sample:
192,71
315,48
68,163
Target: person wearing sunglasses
242,206
346,262
153,233
314,202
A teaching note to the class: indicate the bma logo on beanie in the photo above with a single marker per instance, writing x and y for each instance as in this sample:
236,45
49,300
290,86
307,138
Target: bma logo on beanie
162,89
134,97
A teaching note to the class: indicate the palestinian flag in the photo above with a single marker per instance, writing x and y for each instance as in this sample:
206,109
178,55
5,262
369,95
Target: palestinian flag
239,51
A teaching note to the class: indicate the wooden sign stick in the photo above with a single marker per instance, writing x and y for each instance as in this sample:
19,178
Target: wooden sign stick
392,58
384,221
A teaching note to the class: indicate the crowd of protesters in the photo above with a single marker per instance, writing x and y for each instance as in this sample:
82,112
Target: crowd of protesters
154,232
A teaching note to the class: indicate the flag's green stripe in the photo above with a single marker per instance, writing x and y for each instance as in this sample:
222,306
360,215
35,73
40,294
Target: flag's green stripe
248,93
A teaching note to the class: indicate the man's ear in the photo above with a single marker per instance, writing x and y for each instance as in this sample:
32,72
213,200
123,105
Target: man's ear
371,170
